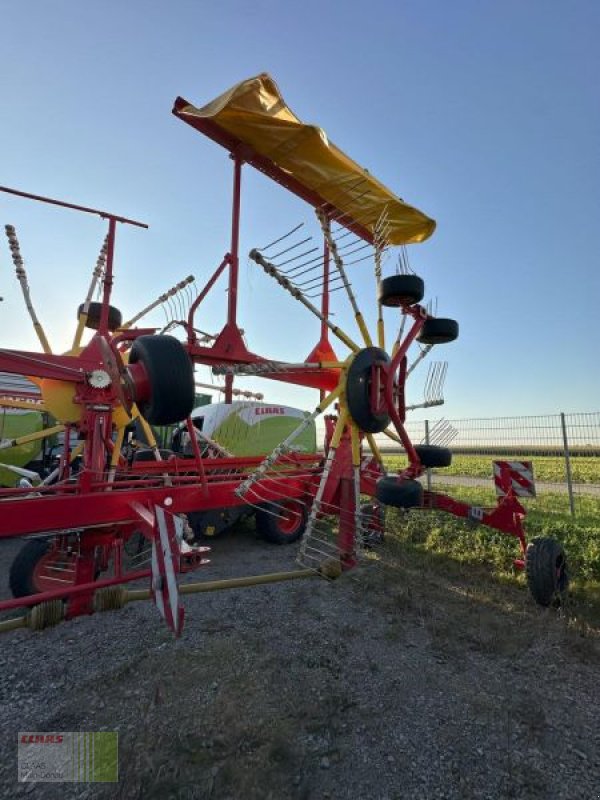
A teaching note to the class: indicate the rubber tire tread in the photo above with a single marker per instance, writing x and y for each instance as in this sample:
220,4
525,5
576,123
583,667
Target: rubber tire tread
438,330
267,525
540,569
171,376
21,570
407,494
400,290
431,455
115,318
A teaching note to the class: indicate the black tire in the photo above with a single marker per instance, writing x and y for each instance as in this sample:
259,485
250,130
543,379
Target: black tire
438,330
20,578
94,312
147,454
283,522
406,494
546,570
171,377
358,391
432,456
401,290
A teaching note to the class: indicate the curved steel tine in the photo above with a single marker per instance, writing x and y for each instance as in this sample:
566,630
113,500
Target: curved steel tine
281,238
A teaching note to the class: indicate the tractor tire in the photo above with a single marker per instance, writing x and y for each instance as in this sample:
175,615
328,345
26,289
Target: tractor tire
406,494
358,391
437,330
115,318
147,454
401,290
33,564
171,377
282,523
432,456
546,570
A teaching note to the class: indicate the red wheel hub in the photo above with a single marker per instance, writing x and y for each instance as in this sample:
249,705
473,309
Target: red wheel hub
54,570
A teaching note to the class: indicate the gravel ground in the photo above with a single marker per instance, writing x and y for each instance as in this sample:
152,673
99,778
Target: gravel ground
407,680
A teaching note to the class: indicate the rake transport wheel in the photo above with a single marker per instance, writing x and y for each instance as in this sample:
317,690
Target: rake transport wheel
38,567
399,494
170,373
432,456
546,570
283,522
94,312
401,290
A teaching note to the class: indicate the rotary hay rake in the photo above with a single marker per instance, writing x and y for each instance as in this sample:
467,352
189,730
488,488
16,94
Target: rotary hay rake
91,508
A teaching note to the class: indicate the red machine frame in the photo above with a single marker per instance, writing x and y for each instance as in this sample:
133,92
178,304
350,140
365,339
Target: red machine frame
101,512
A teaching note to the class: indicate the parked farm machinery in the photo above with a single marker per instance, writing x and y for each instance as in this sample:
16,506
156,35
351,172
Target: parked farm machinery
85,517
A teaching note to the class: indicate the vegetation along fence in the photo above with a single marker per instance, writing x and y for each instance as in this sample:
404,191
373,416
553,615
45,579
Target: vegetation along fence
564,450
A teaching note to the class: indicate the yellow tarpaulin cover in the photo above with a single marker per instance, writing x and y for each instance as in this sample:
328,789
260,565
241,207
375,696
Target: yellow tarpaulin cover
255,113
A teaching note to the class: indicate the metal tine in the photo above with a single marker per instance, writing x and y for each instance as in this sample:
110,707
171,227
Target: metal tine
358,260
281,238
341,236
339,217
291,247
358,182
344,247
293,278
443,432
304,263
347,253
289,260
331,291
318,279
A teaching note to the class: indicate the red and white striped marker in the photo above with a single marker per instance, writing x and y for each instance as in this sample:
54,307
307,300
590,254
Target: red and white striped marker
165,566
517,475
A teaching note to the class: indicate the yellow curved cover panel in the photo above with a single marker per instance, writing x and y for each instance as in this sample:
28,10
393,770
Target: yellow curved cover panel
255,113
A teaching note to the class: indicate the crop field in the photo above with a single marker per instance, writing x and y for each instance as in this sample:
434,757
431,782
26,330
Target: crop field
442,536
546,469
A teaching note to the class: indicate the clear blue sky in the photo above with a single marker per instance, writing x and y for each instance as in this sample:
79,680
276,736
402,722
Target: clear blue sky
486,115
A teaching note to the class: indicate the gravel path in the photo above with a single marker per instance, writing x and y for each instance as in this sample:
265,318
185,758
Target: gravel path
402,681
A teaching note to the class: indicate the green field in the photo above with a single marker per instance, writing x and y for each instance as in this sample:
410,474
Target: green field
546,469
444,535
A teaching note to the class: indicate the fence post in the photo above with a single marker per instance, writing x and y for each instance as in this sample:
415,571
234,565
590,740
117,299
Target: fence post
427,442
567,463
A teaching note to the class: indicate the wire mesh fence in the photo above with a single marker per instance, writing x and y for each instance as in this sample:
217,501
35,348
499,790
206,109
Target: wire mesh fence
563,448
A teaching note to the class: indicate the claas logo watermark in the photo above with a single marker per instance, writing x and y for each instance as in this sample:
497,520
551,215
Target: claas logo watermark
73,757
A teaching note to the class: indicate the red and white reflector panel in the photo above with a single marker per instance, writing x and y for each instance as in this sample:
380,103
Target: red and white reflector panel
165,566
515,475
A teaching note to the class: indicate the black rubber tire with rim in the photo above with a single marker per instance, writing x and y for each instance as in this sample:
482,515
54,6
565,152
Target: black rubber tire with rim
400,494
20,578
279,528
438,330
358,390
546,570
171,376
115,318
432,456
401,290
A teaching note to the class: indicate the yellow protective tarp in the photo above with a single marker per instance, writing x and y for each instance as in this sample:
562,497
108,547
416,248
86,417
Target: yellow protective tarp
255,113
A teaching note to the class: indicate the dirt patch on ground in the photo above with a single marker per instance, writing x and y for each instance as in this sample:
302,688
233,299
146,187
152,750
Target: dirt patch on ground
406,679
